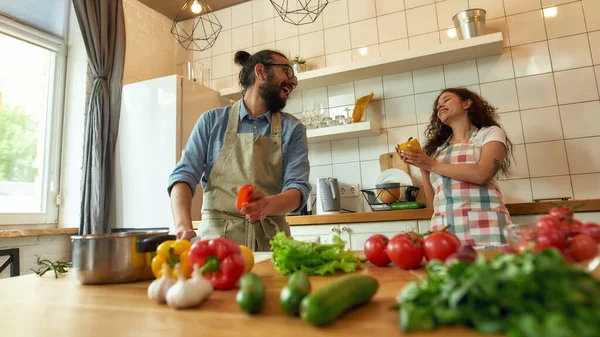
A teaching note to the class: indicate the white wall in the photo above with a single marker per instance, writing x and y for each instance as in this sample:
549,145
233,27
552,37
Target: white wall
51,247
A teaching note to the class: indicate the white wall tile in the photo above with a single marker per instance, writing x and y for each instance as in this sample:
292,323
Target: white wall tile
365,53
315,96
586,186
570,52
499,25
315,26
520,6
289,47
515,191
400,111
549,3
429,79
241,38
344,151
583,154
547,159
312,45
493,8
461,74
347,173
540,125
536,91
221,65
317,172
372,147
511,123
476,88
363,33
576,85
369,171
495,68
519,168
417,3
595,46
241,15
591,9
421,20
569,20
335,59
551,187
365,87
447,9
294,103
263,31
424,105
395,135
262,10
597,71
423,41
526,28
531,59
335,14
222,44
421,133
319,153
284,30
361,10
375,110
224,17
317,62
337,39
393,47
388,6
448,35
392,26
268,45
501,94
398,85
221,83
581,120
341,94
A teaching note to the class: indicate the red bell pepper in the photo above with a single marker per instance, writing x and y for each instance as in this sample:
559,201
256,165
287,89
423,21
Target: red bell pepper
220,261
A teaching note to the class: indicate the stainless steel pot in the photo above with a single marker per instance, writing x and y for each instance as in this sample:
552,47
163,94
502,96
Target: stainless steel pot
116,257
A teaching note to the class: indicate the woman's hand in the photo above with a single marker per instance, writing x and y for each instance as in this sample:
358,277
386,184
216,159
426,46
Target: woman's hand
418,158
258,208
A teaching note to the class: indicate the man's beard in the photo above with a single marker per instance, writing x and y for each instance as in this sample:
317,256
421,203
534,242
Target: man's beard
270,93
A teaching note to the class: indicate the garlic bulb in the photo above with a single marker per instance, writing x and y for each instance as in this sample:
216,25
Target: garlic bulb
157,290
188,294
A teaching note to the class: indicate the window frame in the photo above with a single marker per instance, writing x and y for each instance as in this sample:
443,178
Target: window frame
55,115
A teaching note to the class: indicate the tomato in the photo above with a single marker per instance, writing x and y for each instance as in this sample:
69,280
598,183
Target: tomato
592,230
439,245
455,238
413,236
404,253
561,212
571,228
547,239
243,196
583,248
547,223
375,248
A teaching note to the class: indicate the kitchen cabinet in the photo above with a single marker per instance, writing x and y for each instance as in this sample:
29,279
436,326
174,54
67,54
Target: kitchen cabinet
312,233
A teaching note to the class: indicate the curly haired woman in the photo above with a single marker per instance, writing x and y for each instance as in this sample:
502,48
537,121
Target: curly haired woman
465,149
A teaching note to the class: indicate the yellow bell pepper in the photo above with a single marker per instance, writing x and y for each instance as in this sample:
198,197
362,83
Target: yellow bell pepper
413,142
248,258
172,252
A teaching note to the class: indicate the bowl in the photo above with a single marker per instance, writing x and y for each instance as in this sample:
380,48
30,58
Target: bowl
389,192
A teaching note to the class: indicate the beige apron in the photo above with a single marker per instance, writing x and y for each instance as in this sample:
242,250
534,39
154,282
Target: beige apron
243,160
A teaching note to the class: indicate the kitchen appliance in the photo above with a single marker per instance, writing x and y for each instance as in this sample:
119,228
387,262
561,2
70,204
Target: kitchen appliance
328,196
157,118
116,257
470,23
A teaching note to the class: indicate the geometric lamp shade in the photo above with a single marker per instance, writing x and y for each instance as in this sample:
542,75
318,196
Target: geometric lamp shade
196,27
299,12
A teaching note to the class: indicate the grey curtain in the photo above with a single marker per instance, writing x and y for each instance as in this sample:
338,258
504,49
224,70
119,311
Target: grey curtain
102,24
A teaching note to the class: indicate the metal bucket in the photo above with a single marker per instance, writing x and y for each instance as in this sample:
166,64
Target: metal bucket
470,23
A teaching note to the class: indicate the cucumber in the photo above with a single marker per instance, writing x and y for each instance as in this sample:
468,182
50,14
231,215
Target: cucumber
406,205
297,288
330,302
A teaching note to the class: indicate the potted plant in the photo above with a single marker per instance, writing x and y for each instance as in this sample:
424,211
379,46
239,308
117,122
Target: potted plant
299,64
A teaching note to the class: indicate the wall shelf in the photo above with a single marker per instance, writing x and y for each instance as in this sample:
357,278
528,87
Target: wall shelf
446,53
354,130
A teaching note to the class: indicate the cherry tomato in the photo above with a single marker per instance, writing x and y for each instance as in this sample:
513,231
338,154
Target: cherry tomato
404,253
243,196
547,223
375,248
561,212
583,247
592,230
439,245
547,239
571,228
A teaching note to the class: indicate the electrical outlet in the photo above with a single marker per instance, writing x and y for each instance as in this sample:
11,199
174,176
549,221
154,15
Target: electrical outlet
349,191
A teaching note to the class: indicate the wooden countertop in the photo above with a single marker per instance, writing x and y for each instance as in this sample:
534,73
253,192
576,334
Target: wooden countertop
36,306
15,233
525,208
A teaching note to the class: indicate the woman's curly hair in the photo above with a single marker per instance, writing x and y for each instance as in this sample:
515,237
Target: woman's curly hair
481,114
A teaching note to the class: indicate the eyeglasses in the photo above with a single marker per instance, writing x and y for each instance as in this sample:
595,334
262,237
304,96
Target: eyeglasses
289,71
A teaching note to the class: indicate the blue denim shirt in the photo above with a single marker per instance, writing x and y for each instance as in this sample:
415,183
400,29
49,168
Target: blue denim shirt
206,140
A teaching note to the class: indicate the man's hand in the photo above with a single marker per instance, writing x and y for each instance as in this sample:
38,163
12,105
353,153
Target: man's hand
259,206
184,232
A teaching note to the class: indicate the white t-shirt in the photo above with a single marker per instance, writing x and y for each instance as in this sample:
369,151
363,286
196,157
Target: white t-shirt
486,135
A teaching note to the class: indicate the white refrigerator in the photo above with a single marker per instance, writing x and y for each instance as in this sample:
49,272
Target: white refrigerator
157,117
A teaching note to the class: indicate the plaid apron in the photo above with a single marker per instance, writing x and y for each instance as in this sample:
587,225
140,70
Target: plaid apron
476,213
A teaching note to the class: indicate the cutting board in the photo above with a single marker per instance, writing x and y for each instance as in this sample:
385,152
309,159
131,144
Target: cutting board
392,160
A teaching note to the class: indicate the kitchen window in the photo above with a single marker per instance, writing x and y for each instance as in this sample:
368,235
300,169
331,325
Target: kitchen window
32,70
